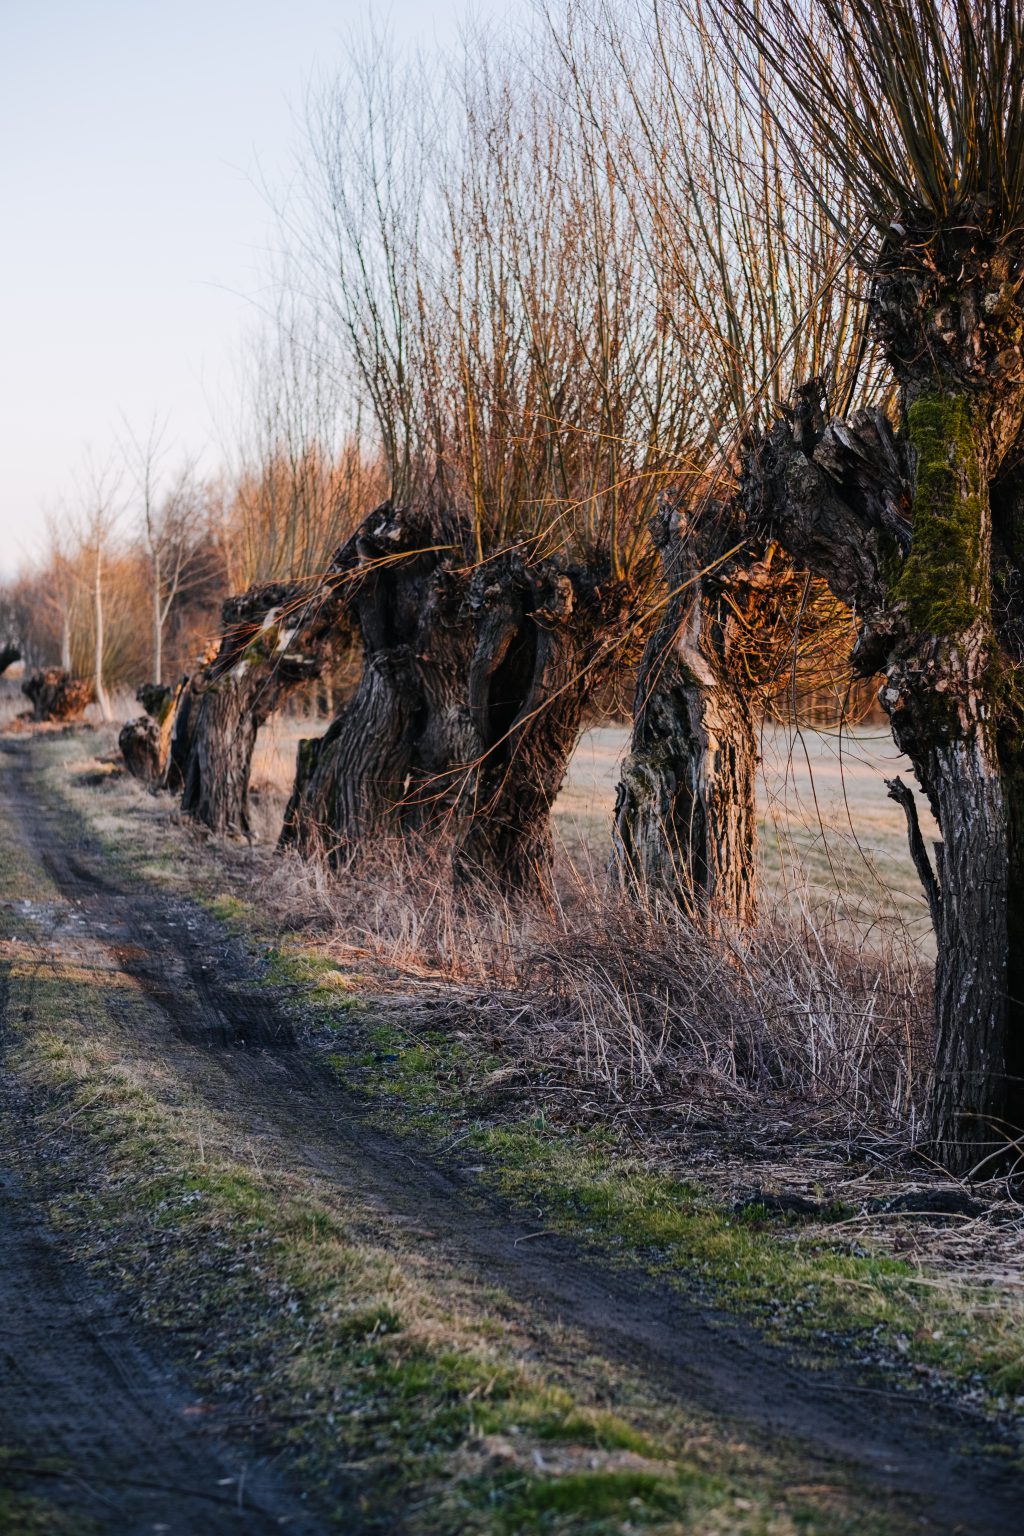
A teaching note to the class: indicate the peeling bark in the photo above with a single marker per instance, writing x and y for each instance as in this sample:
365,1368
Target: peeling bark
685,820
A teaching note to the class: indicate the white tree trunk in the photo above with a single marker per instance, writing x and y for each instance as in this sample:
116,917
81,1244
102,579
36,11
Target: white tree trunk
101,693
158,625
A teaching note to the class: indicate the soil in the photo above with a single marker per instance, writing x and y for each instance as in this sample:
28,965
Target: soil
79,1383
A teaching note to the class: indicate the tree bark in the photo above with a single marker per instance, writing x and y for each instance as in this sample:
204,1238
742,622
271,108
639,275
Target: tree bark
145,743
276,638
474,680
158,622
546,638
354,783
902,529
99,690
685,830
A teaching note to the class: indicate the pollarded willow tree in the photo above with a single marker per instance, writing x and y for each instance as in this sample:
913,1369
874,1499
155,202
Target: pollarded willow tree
921,102
300,488
730,241
545,326
476,249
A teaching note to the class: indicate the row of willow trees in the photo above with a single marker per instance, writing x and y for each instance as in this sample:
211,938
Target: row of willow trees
689,341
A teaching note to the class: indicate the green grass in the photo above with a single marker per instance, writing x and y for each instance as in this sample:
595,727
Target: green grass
302,1316
798,1284
25,1514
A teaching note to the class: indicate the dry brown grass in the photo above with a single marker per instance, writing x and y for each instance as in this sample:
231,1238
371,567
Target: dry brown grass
833,845
787,1022
789,1057
810,1027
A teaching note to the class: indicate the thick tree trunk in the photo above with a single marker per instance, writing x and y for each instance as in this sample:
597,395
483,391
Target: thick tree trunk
685,828
970,1101
943,697
354,783
276,638
470,702
351,782
139,743
546,638
1013,798
903,531
449,744
145,743
216,779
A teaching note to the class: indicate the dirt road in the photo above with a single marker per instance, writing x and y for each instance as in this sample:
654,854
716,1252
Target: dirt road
107,1409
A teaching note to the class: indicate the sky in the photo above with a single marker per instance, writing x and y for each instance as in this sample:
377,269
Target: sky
137,140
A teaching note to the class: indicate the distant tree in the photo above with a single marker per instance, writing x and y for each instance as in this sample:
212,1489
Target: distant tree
171,516
97,516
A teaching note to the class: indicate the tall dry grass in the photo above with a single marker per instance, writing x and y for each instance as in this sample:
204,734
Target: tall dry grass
791,1021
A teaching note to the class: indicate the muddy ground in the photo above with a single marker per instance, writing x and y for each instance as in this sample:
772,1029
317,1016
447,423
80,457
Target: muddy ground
99,1416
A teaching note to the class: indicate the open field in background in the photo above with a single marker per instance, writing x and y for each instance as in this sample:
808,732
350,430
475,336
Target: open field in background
830,835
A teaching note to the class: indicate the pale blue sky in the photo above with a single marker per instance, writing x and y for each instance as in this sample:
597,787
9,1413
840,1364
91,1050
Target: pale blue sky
132,235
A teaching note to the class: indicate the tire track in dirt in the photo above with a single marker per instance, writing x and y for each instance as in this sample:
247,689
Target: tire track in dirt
94,1423
234,1044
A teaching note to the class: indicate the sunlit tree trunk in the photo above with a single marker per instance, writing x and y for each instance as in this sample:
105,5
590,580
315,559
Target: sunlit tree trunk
902,528
352,783
158,622
546,638
276,638
685,828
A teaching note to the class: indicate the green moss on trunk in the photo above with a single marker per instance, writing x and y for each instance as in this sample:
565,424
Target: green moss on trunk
943,586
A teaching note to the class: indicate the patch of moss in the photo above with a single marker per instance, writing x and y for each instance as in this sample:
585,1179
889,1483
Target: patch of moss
227,909
589,1503
941,584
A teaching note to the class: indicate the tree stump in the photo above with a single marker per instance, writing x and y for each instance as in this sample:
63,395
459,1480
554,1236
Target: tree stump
145,743
56,695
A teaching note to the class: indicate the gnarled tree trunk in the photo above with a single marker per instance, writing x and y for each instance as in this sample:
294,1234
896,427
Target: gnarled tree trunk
685,826
145,743
353,782
276,638
546,638
474,682
902,530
